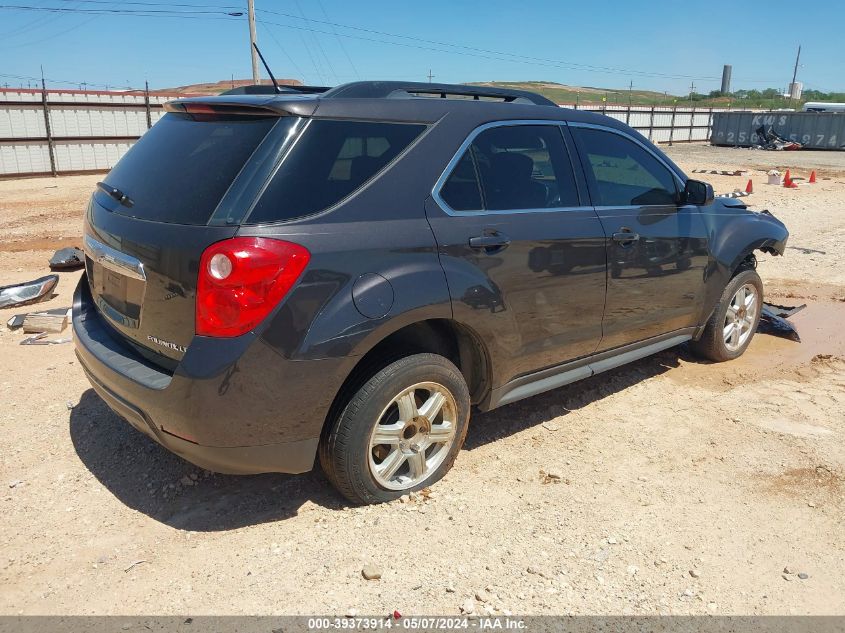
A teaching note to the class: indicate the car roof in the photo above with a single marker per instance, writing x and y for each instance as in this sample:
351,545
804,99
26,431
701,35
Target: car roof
410,102
402,101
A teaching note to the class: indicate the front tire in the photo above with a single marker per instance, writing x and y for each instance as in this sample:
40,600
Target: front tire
734,321
399,432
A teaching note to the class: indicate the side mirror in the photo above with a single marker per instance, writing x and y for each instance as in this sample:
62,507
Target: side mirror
698,192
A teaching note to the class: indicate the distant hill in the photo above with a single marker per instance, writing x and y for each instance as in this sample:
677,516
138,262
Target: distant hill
220,86
562,93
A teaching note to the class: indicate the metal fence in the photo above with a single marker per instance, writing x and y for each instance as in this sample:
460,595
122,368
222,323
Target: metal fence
44,132
661,124
814,130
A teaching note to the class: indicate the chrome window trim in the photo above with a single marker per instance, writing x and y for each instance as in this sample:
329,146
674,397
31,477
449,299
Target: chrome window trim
113,259
444,176
604,128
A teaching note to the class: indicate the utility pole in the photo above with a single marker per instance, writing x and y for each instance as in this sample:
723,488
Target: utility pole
794,74
630,89
691,89
256,78
430,76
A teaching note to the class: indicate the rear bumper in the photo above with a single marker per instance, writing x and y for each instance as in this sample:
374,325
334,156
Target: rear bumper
232,406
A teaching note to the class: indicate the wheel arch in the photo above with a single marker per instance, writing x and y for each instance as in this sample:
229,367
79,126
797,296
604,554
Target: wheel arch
455,341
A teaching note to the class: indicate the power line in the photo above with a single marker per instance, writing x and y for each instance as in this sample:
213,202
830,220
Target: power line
195,11
473,49
284,52
316,40
339,41
201,14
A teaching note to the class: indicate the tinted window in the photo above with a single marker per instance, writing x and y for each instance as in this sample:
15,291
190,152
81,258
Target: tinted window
179,170
461,191
329,162
524,167
623,172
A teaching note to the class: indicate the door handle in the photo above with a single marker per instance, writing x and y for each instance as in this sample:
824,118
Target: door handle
493,241
626,236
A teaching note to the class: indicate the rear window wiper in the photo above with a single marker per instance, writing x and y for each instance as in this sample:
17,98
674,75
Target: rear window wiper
117,194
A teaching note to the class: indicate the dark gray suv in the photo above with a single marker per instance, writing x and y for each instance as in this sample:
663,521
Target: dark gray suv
348,273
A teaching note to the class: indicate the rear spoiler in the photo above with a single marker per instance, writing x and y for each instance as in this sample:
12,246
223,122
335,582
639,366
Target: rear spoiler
243,105
261,89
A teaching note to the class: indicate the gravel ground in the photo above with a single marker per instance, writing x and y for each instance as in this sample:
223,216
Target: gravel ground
669,486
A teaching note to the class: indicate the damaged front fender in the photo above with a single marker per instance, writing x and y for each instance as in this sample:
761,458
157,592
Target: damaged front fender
736,233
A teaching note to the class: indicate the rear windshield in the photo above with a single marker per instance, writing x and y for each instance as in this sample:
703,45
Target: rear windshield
330,161
179,170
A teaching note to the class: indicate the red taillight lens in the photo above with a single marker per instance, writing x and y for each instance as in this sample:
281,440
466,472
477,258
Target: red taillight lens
242,279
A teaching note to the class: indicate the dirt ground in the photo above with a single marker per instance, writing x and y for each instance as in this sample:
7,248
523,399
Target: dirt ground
677,487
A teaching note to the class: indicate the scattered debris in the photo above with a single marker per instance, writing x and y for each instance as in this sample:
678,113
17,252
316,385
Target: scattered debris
41,339
773,320
15,483
371,572
736,193
48,321
550,425
67,259
803,576
772,141
774,177
695,573
28,292
134,564
721,172
551,477
807,251
468,606
15,322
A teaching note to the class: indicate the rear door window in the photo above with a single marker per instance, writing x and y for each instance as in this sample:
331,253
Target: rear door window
462,191
519,166
329,162
623,173
179,170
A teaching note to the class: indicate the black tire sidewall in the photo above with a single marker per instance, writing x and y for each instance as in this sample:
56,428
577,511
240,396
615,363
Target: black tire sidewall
745,277
366,405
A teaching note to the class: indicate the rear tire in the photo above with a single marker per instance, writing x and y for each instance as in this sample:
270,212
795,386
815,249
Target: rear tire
732,325
399,432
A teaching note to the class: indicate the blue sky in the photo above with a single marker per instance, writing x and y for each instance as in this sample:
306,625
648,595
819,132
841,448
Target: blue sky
659,45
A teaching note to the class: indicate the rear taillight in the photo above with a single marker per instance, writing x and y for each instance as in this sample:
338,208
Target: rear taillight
242,279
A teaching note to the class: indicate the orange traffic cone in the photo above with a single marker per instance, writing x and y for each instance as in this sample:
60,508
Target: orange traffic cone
812,177
749,188
786,178
789,183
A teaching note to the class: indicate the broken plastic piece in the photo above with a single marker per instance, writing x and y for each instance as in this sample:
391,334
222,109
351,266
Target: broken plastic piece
28,292
15,322
41,339
773,320
67,259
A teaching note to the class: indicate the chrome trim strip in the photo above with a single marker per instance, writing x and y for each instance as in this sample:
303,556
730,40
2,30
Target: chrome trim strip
435,191
113,259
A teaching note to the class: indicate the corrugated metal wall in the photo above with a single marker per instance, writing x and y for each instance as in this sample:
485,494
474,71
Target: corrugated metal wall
815,130
661,124
89,130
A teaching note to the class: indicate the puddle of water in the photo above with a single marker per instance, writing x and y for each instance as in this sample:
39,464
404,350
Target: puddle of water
820,326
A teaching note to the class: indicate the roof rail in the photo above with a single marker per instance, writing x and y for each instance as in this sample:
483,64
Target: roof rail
406,90
265,89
